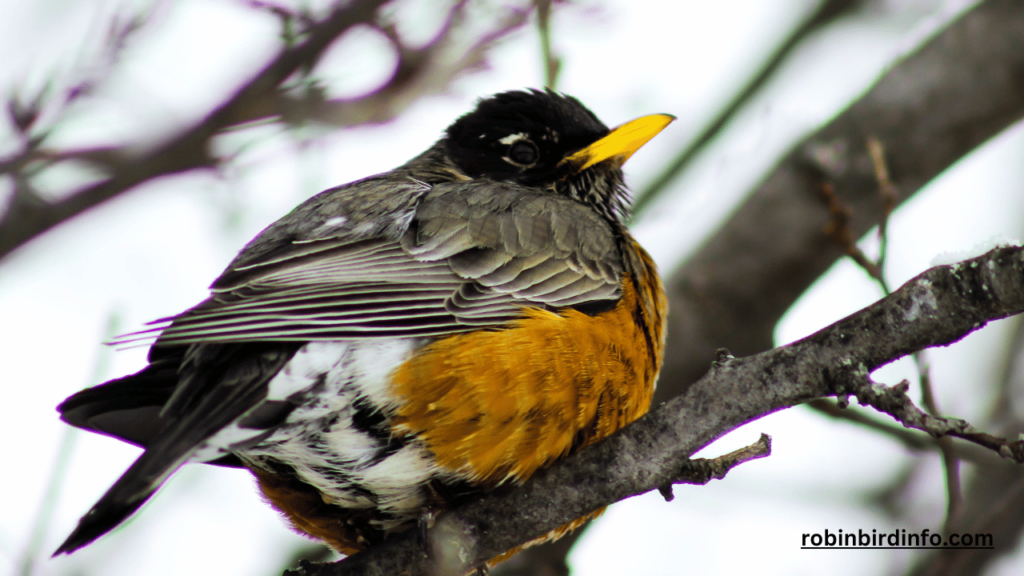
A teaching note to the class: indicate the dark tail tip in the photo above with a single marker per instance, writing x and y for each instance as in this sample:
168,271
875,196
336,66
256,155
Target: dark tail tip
103,518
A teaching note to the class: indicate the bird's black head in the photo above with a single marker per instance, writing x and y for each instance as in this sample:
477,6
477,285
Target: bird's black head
530,138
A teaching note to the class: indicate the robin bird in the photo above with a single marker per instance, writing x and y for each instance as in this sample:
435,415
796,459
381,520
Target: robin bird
404,342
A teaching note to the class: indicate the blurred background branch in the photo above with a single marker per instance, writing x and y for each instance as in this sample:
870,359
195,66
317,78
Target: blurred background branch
552,63
776,244
419,72
826,14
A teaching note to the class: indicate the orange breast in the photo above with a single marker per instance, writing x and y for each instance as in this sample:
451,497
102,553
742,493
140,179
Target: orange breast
494,406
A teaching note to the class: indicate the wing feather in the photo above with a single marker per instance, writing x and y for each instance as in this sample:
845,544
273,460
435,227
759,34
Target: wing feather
473,254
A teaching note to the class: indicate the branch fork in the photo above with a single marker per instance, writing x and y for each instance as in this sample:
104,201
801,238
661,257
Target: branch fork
893,400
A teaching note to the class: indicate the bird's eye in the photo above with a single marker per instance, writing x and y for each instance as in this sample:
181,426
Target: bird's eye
524,153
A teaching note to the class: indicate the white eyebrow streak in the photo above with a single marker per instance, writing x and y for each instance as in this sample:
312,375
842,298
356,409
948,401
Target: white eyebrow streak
512,138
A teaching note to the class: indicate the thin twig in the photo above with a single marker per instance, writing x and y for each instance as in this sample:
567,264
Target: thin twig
951,465
889,193
700,471
839,230
950,462
911,440
994,497
552,63
893,400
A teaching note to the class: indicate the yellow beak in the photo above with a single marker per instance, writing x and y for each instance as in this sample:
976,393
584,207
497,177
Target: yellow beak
621,142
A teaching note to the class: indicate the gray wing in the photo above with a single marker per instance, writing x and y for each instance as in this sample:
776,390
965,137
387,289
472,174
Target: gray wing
453,257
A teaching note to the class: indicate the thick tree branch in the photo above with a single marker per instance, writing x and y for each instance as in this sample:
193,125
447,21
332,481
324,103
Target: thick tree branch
937,308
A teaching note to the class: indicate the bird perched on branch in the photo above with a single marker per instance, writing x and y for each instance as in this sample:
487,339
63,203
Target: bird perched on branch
401,343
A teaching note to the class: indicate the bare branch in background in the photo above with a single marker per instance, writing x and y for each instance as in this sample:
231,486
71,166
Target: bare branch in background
732,292
419,72
890,197
828,11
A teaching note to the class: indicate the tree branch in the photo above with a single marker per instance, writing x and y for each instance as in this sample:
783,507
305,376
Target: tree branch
700,471
910,439
937,308
419,72
893,400
552,63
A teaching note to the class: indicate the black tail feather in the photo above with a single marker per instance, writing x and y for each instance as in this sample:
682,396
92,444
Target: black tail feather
126,408
104,517
131,490
222,383
129,408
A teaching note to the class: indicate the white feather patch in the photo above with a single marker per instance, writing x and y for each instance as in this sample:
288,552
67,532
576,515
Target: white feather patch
372,365
320,440
218,445
397,478
302,371
351,444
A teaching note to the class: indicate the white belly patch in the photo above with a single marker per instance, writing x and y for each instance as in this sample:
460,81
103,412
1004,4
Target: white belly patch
337,438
